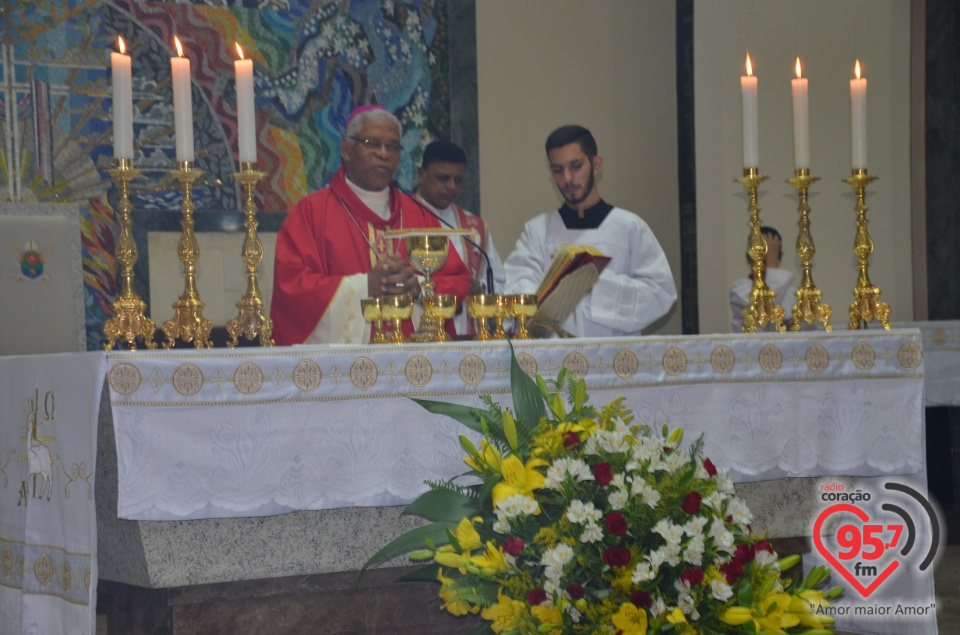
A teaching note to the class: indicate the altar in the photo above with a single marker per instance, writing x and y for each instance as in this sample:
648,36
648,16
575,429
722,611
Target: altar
227,476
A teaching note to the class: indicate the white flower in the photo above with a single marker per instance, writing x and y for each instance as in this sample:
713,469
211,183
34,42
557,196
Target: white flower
739,512
658,607
518,504
671,553
618,499
573,613
722,537
673,534
564,467
714,500
501,525
559,555
725,483
593,533
694,551
656,559
765,558
695,526
580,512
721,590
676,461
701,472
643,573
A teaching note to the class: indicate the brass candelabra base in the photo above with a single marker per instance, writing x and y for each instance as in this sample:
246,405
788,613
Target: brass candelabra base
188,323
809,307
866,305
250,321
762,309
129,323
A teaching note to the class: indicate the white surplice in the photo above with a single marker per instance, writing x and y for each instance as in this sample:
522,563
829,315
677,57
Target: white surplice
635,289
780,282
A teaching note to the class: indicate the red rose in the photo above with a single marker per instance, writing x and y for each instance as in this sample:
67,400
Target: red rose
731,571
641,599
575,591
763,545
513,546
571,441
743,555
603,474
710,467
691,504
693,576
536,597
617,556
616,523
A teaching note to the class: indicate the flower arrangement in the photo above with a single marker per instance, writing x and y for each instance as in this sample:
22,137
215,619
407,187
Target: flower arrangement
583,521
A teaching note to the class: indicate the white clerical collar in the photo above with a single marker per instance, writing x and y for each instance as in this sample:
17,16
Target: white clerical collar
379,202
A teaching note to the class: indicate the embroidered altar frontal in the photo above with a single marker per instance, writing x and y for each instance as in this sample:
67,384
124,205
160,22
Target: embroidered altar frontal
204,434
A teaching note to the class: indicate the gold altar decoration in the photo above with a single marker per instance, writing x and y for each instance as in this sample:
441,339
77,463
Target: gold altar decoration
128,323
523,307
809,307
397,308
482,307
427,251
372,309
250,321
188,322
441,307
866,305
762,309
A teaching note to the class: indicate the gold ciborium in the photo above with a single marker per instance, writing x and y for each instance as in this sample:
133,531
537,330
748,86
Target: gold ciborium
441,307
427,253
483,307
397,308
373,312
523,307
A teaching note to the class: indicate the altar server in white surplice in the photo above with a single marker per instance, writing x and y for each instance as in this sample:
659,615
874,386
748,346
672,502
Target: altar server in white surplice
779,280
636,287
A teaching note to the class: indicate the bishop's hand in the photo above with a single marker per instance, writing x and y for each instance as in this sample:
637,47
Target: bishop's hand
392,276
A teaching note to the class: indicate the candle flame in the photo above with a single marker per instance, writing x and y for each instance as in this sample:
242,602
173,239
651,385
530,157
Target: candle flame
749,65
123,49
798,68
239,50
176,41
857,69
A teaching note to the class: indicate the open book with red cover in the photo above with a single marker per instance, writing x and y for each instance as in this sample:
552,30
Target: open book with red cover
572,273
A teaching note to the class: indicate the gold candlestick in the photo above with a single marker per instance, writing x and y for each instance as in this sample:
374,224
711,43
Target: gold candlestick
188,322
808,308
250,321
866,303
128,323
762,309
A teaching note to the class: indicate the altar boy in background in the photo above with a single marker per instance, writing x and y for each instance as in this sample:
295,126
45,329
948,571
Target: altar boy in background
441,174
779,280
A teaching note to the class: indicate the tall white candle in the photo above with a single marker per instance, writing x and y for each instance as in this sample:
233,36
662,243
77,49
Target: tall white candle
122,103
801,122
182,104
748,93
858,116
246,120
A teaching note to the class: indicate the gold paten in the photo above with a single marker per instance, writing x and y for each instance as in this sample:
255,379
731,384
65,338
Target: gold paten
188,322
250,321
762,309
808,308
128,323
866,303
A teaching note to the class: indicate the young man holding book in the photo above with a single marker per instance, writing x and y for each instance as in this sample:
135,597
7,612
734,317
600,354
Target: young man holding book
634,288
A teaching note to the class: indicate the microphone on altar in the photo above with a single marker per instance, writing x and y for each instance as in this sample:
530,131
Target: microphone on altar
413,197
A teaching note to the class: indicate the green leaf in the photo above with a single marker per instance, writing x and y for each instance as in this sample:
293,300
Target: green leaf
427,573
745,593
510,430
443,505
410,541
466,415
527,403
580,395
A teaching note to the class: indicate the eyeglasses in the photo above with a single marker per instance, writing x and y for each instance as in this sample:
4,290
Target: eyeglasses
375,144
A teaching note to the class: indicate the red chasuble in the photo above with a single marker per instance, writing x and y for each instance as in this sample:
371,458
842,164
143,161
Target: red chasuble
328,237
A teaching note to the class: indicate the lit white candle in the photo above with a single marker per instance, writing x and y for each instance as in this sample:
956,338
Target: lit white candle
182,104
246,121
748,93
122,103
801,122
858,116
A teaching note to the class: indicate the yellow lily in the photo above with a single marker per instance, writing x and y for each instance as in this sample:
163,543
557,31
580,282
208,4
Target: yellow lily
490,459
630,619
468,539
549,617
518,478
455,607
505,614
491,561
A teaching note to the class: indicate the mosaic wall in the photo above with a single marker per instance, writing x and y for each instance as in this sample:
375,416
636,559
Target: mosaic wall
314,61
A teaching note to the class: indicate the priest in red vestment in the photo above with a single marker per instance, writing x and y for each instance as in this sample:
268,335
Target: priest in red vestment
331,251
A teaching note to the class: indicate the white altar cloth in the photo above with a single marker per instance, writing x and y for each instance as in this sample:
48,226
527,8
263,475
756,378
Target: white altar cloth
244,432
941,351
48,533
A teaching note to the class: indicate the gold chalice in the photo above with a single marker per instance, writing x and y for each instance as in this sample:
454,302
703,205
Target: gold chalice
482,306
503,308
397,308
523,307
441,307
427,253
373,312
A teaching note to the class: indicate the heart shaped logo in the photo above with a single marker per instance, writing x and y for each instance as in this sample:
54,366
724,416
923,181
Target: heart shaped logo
865,591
